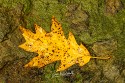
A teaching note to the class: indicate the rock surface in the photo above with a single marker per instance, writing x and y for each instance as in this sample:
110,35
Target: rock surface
99,25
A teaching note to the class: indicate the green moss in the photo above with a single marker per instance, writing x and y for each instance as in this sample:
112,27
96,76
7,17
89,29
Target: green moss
14,3
102,26
107,27
44,10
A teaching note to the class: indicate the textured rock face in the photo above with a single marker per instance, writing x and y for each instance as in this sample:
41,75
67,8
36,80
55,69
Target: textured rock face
99,25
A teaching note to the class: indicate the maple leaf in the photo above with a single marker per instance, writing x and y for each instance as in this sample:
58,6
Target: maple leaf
53,46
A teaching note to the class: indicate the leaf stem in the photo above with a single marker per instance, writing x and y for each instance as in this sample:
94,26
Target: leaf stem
101,57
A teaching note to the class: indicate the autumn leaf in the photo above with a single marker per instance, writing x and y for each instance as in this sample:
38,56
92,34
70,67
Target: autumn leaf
53,46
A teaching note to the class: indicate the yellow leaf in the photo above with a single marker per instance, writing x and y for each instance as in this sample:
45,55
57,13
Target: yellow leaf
53,46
